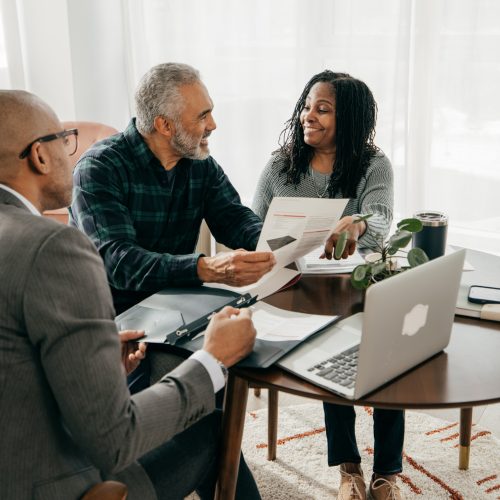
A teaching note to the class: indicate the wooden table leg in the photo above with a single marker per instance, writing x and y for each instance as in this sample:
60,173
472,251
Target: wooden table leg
272,424
233,421
465,433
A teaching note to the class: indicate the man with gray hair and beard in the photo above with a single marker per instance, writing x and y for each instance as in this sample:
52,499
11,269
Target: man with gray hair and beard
141,196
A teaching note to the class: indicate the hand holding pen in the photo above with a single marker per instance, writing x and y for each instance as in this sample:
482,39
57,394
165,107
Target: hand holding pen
230,335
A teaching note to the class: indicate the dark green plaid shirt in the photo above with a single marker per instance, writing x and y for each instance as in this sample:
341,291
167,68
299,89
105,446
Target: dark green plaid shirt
145,229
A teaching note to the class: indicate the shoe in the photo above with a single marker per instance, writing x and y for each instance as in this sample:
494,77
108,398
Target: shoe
383,489
352,485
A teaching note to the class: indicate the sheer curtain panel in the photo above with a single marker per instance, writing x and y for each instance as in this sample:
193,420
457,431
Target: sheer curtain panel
433,66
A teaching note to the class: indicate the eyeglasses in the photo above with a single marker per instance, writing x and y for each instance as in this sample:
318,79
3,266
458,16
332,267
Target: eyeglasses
70,137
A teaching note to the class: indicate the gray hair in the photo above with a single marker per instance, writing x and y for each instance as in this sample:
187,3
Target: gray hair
158,93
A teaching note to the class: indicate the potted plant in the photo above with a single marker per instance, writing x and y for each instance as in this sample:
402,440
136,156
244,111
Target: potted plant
383,262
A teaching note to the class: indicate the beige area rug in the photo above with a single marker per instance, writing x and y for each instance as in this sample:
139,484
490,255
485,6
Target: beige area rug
430,461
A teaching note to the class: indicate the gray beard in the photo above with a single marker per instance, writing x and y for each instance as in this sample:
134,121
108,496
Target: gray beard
187,147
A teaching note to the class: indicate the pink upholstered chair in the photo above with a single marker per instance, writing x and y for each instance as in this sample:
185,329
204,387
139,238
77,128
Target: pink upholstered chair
108,490
88,134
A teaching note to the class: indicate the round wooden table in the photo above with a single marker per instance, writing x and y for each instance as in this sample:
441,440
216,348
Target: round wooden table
466,374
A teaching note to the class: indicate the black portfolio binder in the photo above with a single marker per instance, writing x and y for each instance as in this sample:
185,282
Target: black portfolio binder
174,316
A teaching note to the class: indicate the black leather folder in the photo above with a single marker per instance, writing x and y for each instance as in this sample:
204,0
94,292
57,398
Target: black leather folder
173,317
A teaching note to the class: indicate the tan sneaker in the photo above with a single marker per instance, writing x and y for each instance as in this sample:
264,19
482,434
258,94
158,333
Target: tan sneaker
352,485
383,489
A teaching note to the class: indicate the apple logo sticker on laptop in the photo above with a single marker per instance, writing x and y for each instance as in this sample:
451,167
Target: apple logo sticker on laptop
415,319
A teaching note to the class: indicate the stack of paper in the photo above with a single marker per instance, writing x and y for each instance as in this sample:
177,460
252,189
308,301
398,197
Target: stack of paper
312,264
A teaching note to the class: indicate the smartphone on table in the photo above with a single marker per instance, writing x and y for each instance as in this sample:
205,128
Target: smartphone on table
484,294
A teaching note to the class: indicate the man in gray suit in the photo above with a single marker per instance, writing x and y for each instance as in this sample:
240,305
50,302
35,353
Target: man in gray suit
67,418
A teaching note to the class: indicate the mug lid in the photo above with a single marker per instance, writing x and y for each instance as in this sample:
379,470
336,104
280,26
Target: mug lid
431,218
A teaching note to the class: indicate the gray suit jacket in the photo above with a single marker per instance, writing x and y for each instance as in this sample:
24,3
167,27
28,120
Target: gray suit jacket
67,419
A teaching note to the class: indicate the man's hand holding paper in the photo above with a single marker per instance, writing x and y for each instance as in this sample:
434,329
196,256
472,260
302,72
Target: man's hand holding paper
236,268
291,230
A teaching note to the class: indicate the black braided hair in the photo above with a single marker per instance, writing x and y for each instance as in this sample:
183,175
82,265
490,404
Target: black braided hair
356,116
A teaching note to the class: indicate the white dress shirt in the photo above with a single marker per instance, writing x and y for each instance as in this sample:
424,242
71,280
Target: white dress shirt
24,200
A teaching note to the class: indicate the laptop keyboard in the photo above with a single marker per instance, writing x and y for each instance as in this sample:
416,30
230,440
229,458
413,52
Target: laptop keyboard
340,368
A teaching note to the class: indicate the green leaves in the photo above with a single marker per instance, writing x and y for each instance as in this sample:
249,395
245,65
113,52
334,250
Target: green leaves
341,243
417,256
398,240
360,272
412,225
403,235
361,276
344,236
384,267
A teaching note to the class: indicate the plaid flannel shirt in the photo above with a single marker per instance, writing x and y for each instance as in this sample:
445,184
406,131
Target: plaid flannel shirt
145,229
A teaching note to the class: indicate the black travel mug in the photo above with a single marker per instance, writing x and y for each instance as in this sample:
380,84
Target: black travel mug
432,238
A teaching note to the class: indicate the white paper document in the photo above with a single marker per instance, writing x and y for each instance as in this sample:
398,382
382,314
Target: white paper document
278,325
267,285
293,227
296,226
312,264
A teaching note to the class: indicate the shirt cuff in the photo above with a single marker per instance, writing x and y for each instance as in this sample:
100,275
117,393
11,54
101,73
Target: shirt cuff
183,270
212,366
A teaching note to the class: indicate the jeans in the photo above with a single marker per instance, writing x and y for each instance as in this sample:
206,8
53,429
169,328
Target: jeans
388,431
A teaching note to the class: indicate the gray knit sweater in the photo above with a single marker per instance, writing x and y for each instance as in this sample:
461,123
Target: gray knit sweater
374,194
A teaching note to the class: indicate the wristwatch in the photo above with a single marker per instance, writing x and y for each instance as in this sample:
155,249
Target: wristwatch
223,367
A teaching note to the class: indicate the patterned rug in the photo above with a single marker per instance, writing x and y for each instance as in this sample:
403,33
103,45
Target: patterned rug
430,459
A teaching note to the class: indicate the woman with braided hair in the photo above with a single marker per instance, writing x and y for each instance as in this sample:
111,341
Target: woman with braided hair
327,150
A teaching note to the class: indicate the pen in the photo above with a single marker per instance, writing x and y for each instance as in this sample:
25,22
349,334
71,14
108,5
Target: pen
187,332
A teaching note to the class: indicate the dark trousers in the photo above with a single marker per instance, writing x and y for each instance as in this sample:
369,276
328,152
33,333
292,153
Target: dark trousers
189,462
388,433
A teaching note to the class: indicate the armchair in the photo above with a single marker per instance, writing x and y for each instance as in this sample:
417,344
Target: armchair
88,134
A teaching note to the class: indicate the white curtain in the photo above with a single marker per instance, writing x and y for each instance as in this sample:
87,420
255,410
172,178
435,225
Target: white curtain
433,66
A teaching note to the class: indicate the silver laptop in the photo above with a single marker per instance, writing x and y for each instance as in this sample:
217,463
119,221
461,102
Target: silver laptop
406,320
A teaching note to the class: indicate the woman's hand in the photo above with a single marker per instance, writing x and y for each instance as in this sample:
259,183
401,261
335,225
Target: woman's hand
354,231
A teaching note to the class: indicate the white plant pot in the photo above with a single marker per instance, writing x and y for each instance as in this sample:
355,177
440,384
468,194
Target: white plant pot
392,263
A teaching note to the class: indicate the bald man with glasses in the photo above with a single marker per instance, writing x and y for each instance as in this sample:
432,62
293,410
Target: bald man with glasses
68,419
